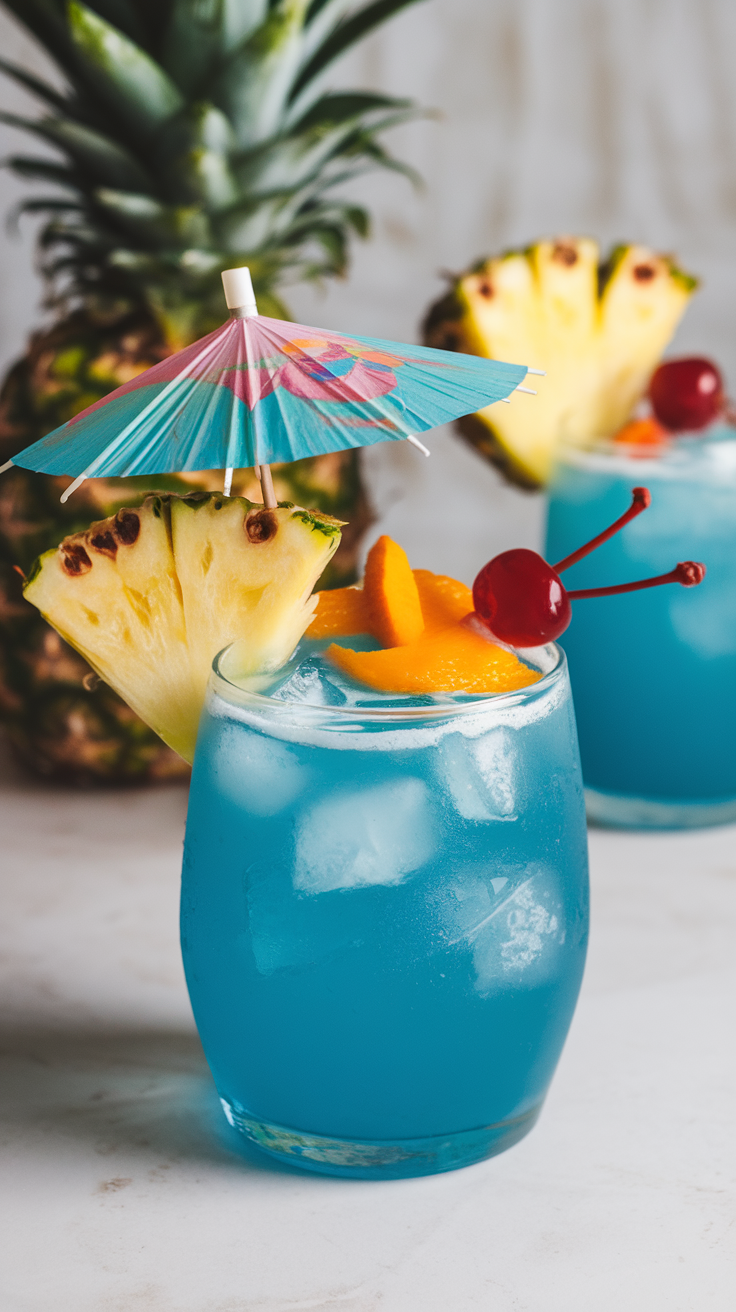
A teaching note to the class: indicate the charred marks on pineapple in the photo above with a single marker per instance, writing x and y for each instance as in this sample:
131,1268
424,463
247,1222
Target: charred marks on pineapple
565,253
127,525
105,543
74,558
260,526
123,530
644,272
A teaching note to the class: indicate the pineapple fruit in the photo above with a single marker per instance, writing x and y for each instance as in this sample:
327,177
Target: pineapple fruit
152,594
191,137
598,329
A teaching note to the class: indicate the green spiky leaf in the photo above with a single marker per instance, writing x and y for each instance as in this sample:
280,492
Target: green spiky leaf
347,34
184,149
34,84
128,80
200,34
254,83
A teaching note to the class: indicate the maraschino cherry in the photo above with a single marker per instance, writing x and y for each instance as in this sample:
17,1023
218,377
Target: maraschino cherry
686,394
522,600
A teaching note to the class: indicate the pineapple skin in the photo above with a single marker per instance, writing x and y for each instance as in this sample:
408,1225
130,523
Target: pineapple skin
62,723
598,328
187,138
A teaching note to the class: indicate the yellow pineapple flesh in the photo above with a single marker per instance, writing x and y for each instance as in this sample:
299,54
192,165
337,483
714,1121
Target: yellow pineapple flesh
598,330
152,594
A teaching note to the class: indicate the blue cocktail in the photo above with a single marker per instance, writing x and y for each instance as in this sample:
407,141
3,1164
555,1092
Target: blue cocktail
384,914
653,673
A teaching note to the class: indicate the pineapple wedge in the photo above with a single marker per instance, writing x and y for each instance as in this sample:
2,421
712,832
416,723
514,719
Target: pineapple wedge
599,330
247,579
151,595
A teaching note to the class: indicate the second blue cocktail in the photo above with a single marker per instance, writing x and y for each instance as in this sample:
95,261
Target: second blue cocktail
654,674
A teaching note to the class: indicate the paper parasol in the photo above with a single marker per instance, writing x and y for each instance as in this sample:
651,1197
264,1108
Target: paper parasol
259,391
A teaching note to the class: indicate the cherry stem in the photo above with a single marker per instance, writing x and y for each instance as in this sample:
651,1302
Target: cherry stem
641,499
689,573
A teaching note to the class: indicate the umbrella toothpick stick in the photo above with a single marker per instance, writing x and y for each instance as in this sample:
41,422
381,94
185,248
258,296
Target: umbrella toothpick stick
542,373
263,472
241,302
239,295
419,445
72,488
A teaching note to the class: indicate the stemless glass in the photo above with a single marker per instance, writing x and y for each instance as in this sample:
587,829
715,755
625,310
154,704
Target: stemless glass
653,672
384,920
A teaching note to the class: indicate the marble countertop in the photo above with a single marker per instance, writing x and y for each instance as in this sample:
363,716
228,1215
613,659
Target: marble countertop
122,1189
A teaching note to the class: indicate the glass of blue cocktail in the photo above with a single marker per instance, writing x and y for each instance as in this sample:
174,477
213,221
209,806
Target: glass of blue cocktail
654,675
384,914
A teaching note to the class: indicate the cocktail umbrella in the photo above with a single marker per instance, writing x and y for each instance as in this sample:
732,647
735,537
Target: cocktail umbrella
260,390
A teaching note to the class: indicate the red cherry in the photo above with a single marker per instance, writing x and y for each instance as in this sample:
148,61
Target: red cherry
523,601
686,394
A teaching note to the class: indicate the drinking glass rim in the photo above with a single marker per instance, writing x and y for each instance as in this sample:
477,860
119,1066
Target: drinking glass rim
234,694
678,459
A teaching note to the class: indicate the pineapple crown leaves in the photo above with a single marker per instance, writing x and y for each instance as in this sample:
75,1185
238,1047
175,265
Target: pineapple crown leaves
196,134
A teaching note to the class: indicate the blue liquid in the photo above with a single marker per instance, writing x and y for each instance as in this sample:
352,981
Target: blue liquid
384,924
654,673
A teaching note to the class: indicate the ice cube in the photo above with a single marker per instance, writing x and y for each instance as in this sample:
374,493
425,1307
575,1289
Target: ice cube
373,836
289,932
709,629
312,685
509,922
259,774
479,774
514,944
312,680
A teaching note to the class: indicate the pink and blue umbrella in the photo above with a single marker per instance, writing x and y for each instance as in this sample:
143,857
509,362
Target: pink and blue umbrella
259,391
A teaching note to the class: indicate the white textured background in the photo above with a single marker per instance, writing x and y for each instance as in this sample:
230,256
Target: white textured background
611,117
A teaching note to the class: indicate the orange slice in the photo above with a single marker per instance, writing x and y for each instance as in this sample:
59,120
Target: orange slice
444,601
459,659
341,610
391,594
642,432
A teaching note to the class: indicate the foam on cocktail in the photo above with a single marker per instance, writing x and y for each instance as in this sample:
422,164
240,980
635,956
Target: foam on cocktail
367,722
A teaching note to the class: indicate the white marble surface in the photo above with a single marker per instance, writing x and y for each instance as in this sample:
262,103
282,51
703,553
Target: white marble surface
123,1190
